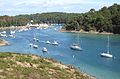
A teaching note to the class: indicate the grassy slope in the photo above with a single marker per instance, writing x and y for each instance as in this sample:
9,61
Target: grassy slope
24,66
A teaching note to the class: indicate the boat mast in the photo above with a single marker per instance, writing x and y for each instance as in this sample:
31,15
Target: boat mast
77,33
108,45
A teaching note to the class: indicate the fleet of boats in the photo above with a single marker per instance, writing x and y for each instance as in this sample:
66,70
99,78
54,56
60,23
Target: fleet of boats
75,46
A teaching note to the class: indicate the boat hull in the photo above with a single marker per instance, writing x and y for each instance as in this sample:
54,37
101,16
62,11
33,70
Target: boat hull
76,48
44,50
107,55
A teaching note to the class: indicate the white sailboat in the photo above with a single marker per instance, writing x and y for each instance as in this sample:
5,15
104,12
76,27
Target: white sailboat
107,54
44,49
35,39
55,29
55,43
47,42
76,46
35,46
13,36
4,32
31,45
3,35
12,32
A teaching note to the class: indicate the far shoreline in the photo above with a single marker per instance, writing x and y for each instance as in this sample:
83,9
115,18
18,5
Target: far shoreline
89,32
21,27
13,27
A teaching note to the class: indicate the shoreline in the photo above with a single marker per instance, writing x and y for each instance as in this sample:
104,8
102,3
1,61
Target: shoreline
85,32
18,60
13,27
4,43
21,27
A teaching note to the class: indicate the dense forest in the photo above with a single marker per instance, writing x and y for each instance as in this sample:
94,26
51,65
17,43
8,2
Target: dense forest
106,19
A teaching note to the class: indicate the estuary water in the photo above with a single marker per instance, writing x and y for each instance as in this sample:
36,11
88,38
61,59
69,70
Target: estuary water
88,60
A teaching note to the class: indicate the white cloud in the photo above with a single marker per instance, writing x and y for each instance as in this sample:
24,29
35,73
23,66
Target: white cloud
30,6
50,2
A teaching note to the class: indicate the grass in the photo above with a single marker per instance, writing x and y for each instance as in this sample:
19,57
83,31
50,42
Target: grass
26,66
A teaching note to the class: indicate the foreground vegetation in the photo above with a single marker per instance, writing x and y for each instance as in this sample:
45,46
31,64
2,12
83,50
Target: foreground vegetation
24,66
106,19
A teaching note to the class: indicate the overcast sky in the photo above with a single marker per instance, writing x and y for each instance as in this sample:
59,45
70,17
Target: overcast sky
15,7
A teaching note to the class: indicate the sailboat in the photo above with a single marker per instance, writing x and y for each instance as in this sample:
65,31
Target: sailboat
107,54
12,32
44,49
55,43
35,46
48,42
31,45
76,46
35,39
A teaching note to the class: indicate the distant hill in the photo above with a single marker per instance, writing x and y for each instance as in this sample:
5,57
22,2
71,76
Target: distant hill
106,19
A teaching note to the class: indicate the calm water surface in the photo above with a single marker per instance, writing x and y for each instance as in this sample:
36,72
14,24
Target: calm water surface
88,60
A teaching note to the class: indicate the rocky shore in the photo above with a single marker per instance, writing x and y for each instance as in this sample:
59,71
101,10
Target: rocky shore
3,42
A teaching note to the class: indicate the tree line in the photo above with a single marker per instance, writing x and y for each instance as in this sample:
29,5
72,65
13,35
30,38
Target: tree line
106,19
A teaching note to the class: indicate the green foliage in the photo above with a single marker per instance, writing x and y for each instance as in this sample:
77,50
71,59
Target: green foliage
106,19
39,68
22,58
6,21
4,55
